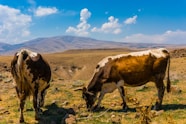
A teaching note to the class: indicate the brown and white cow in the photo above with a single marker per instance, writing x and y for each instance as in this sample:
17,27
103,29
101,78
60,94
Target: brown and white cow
32,75
132,69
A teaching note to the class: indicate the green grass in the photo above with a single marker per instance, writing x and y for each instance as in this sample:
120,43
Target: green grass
174,82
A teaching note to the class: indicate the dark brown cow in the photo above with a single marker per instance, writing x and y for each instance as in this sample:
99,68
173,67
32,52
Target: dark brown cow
31,74
133,69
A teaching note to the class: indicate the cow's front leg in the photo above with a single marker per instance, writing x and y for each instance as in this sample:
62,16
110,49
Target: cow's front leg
99,100
161,89
36,103
122,94
38,111
35,106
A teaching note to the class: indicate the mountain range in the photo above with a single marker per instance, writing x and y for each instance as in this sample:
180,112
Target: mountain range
63,43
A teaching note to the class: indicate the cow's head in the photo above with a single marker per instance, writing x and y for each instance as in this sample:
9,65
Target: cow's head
89,98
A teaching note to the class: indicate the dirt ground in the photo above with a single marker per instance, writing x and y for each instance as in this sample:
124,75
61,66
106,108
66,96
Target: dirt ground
73,69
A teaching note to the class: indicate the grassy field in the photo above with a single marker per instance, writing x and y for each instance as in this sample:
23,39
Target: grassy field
73,69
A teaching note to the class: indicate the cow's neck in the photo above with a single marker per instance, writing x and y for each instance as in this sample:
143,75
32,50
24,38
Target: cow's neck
95,88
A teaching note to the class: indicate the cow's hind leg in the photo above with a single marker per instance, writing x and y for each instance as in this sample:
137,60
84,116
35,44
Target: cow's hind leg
161,88
22,103
122,94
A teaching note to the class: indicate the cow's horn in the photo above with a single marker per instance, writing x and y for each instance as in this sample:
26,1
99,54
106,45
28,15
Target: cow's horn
79,88
90,93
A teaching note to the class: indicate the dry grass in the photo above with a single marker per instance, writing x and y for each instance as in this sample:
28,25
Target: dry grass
77,66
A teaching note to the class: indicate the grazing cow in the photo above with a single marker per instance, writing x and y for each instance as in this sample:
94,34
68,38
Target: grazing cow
31,74
132,69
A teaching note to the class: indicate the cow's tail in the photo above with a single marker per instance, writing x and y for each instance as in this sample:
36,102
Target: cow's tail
168,79
20,61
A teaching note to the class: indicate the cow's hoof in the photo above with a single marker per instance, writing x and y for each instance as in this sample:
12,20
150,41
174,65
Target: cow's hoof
37,117
21,121
157,107
125,108
40,111
96,108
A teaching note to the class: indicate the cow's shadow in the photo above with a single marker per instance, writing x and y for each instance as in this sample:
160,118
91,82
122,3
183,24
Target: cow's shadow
168,107
54,114
165,107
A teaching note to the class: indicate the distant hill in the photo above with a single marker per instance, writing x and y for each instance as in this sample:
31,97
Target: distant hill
63,43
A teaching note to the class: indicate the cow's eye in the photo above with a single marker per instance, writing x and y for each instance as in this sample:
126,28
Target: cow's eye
84,97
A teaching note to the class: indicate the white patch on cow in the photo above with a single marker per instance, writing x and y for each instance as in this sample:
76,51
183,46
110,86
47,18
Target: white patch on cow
102,63
29,52
141,53
33,55
158,53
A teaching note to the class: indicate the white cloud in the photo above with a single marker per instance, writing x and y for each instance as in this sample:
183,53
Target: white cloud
169,37
131,20
13,25
84,15
82,28
44,11
112,26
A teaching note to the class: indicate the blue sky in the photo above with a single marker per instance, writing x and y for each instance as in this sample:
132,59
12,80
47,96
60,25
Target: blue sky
133,21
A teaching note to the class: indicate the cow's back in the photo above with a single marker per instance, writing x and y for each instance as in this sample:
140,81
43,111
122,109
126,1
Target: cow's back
134,70
137,68
37,69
